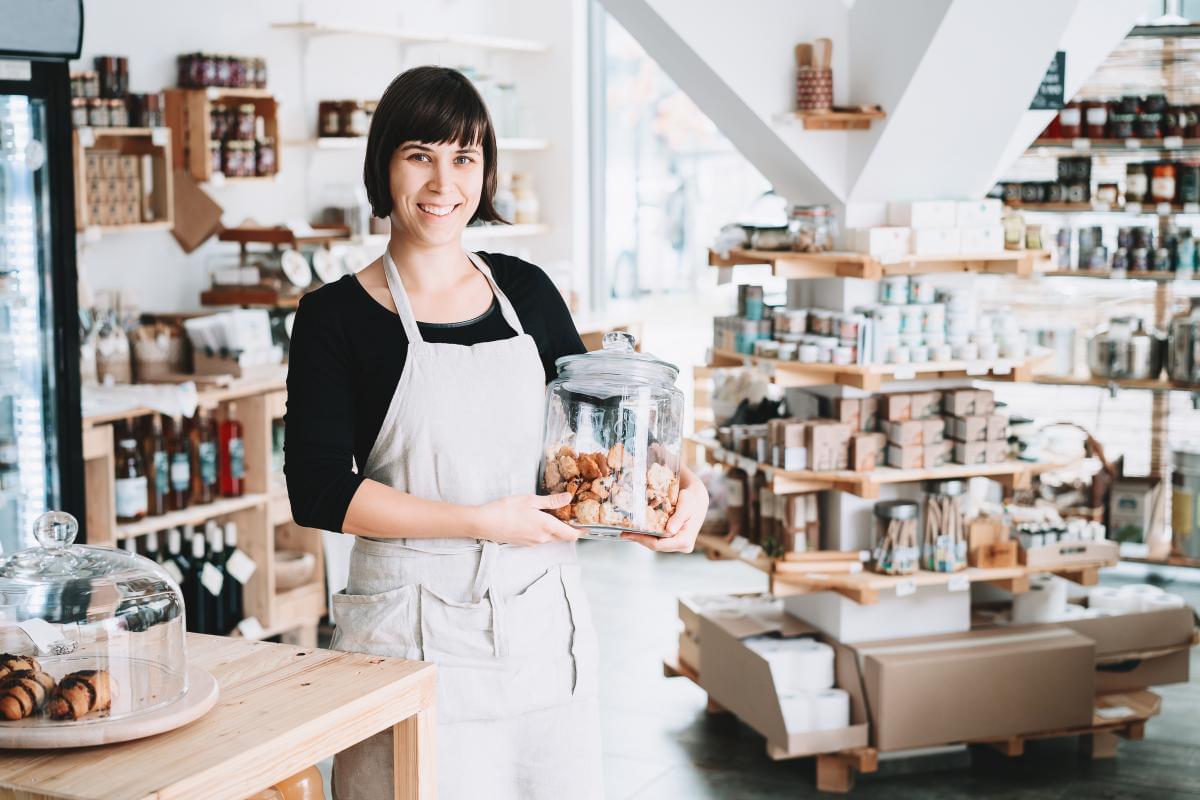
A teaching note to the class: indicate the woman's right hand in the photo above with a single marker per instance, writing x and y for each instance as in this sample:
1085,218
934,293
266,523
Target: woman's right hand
523,520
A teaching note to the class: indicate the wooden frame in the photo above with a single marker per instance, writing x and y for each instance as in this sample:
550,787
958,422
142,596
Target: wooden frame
152,142
788,264
187,114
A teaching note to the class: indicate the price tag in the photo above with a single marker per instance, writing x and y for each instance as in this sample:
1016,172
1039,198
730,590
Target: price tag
905,372
1133,144
87,137
1172,142
959,583
1191,208
1002,367
251,628
977,368
1134,549
214,93
212,579
1133,208
1163,209
48,638
864,556
217,179
173,570
1081,144
906,587
240,566
158,137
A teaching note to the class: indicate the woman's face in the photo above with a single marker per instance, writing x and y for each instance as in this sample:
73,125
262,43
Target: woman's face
435,189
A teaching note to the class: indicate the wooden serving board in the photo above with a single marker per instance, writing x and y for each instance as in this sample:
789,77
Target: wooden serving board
201,696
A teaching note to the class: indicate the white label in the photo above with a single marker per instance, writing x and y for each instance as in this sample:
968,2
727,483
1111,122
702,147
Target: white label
16,70
173,570
1116,712
217,179
87,137
890,258
1191,208
1133,144
158,137
1002,367
1163,209
905,373
959,583
240,566
1172,142
132,499
251,628
48,638
1133,208
1081,144
212,579
748,464
976,368
906,587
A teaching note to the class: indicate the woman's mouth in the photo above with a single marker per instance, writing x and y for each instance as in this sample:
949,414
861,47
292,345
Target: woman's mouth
437,211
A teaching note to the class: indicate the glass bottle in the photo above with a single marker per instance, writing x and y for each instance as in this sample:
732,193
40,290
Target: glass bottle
176,561
204,457
131,491
179,459
152,551
217,602
233,598
158,479
232,455
194,602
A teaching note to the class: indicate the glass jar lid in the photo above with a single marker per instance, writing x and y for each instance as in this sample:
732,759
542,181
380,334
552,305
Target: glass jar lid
617,357
896,509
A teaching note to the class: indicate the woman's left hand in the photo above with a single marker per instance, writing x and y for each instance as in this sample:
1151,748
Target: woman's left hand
684,524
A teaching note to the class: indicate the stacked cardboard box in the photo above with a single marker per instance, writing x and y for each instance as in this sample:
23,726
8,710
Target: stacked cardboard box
114,188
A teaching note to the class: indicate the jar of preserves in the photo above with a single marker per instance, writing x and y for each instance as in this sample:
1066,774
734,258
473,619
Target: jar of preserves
1070,120
329,118
1188,179
1148,125
98,113
79,112
216,164
1162,186
232,159
260,73
1191,122
1096,120
370,106
264,164
812,229
249,159
118,113
1120,126
223,69
613,436
1136,183
357,123
237,72
218,122
244,128
1173,121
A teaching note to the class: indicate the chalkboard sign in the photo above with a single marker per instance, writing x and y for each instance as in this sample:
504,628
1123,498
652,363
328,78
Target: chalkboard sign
1050,92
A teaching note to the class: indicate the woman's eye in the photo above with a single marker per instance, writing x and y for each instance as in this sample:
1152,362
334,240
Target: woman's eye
419,156
464,160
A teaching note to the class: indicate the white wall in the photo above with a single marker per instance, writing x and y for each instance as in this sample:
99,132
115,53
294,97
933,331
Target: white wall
551,87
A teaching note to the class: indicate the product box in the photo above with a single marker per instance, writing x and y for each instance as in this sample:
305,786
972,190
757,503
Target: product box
925,404
997,452
689,651
938,454
883,242
967,429
933,430
691,606
869,413
127,166
988,544
928,611
936,242
828,445
982,684
910,431
910,457
847,410
1131,508
923,214
740,679
982,240
997,427
895,407
864,451
980,214
970,453
110,165
959,402
985,402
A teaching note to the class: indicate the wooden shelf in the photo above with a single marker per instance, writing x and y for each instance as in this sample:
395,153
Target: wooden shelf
209,397
359,142
786,264
231,92
1104,274
1013,474
1173,560
416,37
188,111
257,296
1135,209
872,377
1084,145
103,197
835,120
193,515
1155,385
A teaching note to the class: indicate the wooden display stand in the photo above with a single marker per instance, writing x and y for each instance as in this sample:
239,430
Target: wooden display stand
155,193
262,514
187,113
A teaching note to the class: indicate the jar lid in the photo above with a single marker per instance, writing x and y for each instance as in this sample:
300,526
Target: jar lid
617,355
948,488
896,509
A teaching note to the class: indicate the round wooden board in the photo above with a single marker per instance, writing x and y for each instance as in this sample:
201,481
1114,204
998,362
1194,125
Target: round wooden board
200,698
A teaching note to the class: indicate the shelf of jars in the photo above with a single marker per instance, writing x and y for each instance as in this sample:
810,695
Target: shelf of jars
1128,209
1112,384
123,179
788,264
1084,145
509,44
1158,276
193,515
873,376
224,135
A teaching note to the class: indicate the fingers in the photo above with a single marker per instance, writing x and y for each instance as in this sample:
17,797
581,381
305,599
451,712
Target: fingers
562,531
551,501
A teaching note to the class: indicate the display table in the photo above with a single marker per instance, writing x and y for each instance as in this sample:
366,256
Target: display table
281,709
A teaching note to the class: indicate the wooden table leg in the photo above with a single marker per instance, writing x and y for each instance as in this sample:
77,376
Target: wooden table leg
415,756
1102,744
833,774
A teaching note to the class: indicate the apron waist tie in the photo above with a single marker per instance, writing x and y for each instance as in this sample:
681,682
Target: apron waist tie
485,577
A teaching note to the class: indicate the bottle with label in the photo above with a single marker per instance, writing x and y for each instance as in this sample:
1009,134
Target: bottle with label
195,600
216,581
151,547
232,467
131,491
736,482
158,479
527,210
204,458
176,562
234,610
179,464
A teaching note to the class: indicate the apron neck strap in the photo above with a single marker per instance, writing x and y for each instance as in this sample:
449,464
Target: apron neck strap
506,308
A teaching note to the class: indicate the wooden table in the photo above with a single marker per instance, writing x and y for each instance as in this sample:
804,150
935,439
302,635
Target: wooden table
282,708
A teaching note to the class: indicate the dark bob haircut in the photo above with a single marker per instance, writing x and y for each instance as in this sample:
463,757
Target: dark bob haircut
431,105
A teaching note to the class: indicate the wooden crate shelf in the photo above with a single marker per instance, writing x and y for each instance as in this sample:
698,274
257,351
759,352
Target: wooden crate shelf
187,114
155,196
1085,145
1103,274
192,515
787,264
872,377
840,120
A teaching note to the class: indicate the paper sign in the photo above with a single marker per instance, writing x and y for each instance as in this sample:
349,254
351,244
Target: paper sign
48,638
251,628
906,587
173,570
87,137
959,583
212,579
240,566
1116,712
158,137
977,368
1002,367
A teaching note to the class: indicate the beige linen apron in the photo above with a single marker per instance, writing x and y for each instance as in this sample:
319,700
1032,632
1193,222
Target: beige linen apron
509,627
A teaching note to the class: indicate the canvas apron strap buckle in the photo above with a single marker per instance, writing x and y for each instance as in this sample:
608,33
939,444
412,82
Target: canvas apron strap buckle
483,586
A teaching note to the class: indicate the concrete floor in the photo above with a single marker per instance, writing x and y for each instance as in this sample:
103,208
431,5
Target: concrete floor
660,744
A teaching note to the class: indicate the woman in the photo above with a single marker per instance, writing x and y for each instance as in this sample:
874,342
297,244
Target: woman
456,560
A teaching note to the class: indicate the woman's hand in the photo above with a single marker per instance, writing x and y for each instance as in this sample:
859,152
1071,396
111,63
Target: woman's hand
684,524
522,519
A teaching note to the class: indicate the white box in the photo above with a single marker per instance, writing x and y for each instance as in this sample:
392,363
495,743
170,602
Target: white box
978,213
886,241
935,241
924,214
986,239
929,611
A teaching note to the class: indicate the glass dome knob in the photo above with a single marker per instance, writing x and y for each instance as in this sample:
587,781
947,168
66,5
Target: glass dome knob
619,342
55,530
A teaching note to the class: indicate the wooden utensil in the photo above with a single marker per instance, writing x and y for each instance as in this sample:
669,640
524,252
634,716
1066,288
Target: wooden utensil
804,54
823,53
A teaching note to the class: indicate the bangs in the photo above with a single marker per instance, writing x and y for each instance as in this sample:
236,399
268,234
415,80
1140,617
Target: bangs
455,116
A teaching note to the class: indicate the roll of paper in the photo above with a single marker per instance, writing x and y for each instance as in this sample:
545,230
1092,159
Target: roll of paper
831,710
798,713
1158,602
1136,594
797,665
1071,611
1045,600
1104,598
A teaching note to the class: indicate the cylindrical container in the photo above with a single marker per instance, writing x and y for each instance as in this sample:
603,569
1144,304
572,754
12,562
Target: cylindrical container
787,351
1137,184
814,89
941,352
1162,185
1185,501
1096,120
843,356
1070,120
895,550
807,354
919,355
921,289
899,355
820,322
613,436
944,545
893,290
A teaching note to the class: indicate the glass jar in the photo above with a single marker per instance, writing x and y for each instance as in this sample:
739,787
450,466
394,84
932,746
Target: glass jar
812,229
895,550
1096,120
118,113
79,112
1136,183
216,164
1070,120
218,122
357,122
232,159
264,164
329,118
613,435
1162,186
944,544
249,160
96,608
245,125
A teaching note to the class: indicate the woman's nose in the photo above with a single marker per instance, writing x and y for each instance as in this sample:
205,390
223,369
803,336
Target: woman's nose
440,177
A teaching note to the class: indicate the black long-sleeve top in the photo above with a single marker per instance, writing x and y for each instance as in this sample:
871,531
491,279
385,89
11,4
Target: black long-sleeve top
346,356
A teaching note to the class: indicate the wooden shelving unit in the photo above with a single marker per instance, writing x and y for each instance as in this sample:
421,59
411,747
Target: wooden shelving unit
406,36
154,197
835,120
1130,209
1152,385
1104,274
787,264
1085,146
872,377
187,114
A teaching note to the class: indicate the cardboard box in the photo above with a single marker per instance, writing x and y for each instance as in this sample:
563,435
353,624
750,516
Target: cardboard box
869,408
110,165
996,452
938,454
883,241
959,402
895,407
880,448
740,679
1131,508
983,684
934,430
997,427
828,445
127,166
929,611
923,214
848,410
970,452
980,214
925,405
985,402
197,216
689,651
936,241
691,606
910,457
981,240
988,544
966,429
909,432
864,452
1066,554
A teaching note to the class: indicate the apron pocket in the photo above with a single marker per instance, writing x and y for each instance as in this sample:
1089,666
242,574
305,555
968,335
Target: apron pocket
584,647
383,624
